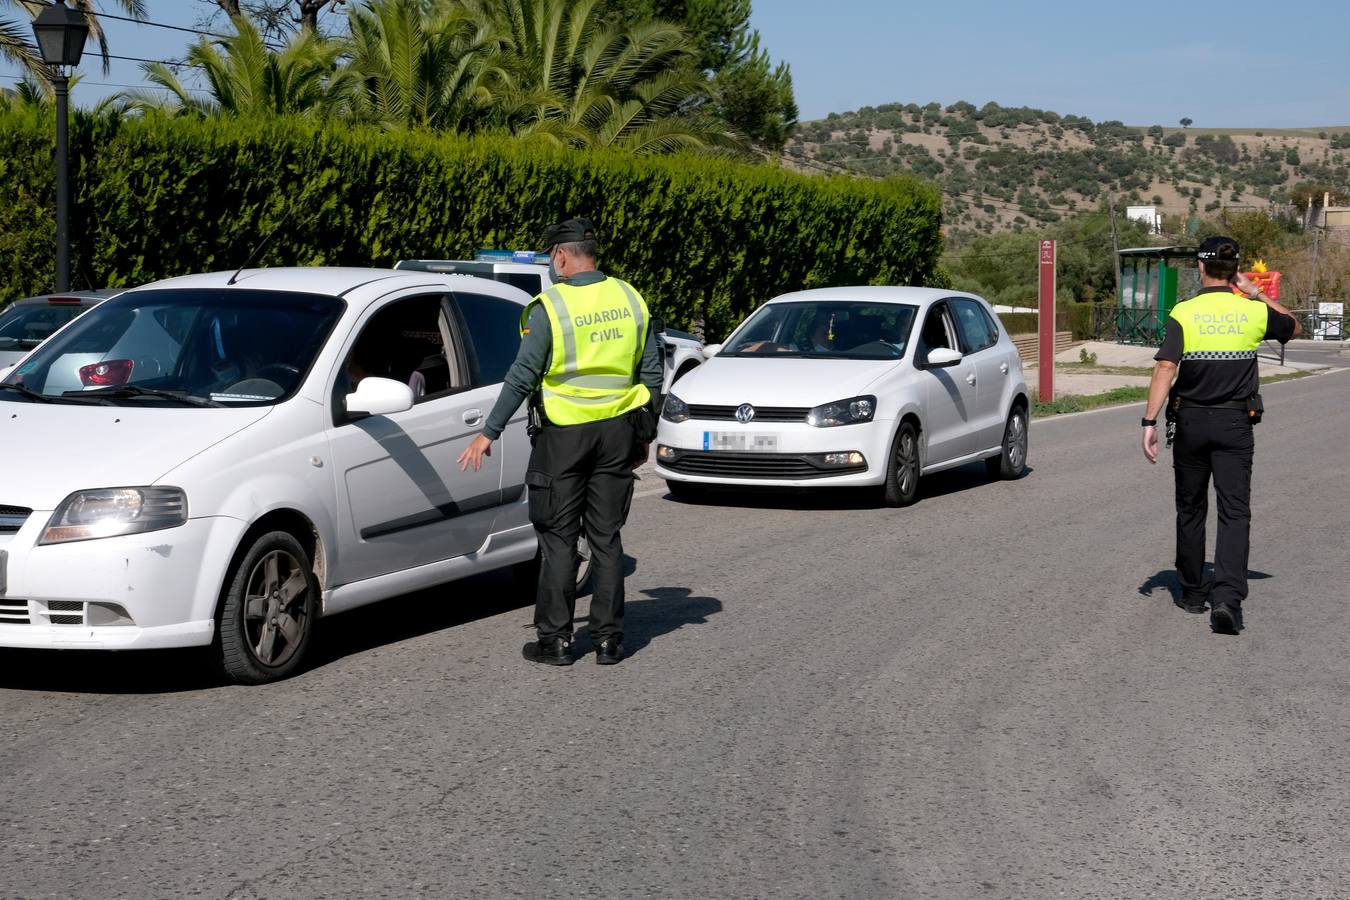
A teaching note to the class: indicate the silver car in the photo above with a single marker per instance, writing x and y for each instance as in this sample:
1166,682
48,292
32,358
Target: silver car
24,324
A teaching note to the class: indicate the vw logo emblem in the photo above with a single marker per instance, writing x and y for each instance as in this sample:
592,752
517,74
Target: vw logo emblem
744,413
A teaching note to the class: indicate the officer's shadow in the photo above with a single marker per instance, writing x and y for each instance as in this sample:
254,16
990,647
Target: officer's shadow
660,611
1168,580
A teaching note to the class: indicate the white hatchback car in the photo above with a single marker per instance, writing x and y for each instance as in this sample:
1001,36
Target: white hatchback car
846,387
217,460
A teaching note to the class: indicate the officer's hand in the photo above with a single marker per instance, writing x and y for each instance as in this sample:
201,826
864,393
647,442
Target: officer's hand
1245,284
1151,443
473,454
640,454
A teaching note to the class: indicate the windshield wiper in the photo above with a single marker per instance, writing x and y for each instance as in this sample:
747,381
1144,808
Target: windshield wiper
27,392
135,390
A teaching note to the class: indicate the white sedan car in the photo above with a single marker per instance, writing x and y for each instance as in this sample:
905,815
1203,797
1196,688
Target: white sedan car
219,461
847,387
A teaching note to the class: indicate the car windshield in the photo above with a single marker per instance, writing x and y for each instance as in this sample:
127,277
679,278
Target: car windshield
826,329
203,347
25,325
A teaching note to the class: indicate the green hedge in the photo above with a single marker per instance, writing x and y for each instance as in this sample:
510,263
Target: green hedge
156,197
1020,323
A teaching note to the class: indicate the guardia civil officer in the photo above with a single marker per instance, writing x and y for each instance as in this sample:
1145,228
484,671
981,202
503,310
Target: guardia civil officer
1209,347
588,357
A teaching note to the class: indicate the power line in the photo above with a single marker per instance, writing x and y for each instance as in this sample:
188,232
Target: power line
214,34
166,62
145,84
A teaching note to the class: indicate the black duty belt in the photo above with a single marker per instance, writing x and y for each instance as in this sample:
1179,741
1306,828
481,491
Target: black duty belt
1227,404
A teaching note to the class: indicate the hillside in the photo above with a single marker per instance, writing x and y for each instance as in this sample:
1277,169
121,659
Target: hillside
1005,169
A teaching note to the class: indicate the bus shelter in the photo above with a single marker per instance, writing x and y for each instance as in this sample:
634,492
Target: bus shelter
1151,280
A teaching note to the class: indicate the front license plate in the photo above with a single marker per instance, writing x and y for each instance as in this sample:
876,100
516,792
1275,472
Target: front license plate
740,440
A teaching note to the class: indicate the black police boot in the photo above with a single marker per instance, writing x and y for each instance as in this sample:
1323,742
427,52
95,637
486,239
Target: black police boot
1191,604
1225,619
550,652
608,652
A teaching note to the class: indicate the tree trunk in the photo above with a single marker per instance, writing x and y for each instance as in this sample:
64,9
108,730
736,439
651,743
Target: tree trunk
231,8
309,12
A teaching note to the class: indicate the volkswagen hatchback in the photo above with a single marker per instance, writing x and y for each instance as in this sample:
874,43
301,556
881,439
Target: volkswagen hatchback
854,386
219,460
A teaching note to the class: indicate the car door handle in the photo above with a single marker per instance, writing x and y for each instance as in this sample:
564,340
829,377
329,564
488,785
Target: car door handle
1003,367
473,416
970,379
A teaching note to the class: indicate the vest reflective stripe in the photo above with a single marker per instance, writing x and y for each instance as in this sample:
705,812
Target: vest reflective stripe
598,332
1220,354
638,316
1220,322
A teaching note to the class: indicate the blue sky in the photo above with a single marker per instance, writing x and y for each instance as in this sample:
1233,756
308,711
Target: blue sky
1260,65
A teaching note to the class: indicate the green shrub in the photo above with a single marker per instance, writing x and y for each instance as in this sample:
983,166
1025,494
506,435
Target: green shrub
156,197
1020,323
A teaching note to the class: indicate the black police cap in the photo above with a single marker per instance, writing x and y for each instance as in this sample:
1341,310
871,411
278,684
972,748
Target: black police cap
1213,248
570,231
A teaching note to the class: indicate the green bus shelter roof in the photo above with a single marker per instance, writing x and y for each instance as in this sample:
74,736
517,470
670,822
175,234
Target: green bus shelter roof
1159,252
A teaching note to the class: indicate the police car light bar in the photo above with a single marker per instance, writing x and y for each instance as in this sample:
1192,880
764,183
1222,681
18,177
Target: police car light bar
528,257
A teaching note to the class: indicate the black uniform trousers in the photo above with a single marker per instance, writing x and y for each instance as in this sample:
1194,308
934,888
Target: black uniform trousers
581,476
1219,442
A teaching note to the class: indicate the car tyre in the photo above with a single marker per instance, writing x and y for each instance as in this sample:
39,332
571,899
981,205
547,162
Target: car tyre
267,617
902,472
1011,461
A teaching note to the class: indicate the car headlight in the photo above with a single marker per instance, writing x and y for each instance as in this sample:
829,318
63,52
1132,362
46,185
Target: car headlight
675,409
843,412
110,512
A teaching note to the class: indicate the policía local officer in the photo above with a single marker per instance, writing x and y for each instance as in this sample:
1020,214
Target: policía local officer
587,349
1213,339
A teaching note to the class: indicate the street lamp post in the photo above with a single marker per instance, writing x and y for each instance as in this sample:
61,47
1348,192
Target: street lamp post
61,33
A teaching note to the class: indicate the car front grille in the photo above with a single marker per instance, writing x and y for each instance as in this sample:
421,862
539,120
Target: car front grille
65,612
12,518
750,466
14,612
762,413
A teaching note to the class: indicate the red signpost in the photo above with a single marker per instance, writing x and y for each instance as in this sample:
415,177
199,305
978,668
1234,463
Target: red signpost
1047,322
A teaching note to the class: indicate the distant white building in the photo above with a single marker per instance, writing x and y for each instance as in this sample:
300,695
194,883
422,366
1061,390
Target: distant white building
1149,215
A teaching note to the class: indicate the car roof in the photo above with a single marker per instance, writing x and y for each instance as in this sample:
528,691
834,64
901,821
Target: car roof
334,281
870,293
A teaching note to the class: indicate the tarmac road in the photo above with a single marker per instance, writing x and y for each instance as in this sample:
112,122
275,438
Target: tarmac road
989,694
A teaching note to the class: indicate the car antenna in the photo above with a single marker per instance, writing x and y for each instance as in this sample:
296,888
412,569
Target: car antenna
265,241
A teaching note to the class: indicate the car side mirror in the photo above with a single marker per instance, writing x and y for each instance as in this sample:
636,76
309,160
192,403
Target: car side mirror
379,397
711,350
942,357
658,325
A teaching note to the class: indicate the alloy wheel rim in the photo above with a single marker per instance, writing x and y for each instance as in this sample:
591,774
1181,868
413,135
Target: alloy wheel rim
906,458
1017,441
275,614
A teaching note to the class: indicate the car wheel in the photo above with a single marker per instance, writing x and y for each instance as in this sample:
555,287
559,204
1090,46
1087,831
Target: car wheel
267,617
1012,460
686,491
902,473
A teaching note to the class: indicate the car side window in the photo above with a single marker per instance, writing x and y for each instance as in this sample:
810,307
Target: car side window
976,330
409,341
492,330
938,331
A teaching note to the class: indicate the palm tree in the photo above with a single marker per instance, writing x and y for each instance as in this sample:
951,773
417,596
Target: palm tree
16,46
582,82
424,64
246,77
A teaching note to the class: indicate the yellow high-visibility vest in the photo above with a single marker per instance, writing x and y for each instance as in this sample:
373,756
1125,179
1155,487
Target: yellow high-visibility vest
599,332
1220,325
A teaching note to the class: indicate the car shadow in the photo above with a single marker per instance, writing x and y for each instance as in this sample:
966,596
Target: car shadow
345,634
941,484
1169,581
